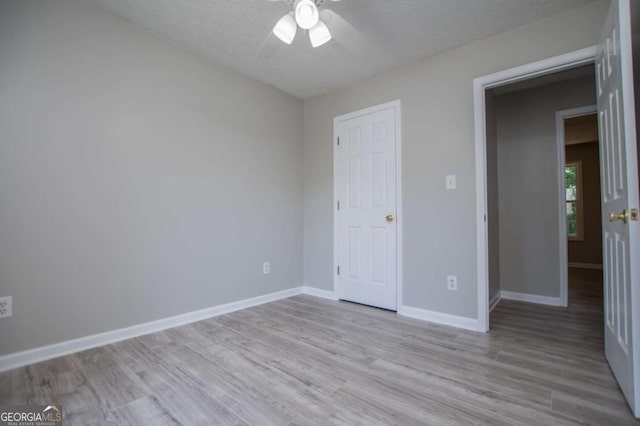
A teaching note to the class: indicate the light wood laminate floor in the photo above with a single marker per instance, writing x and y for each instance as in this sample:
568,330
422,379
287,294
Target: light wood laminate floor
305,360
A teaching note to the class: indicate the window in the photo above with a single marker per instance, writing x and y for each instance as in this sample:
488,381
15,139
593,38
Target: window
573,191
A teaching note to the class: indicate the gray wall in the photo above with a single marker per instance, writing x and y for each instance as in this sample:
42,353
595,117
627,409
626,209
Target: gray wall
528,185
137,181
493,221
589,249
635,29
438,139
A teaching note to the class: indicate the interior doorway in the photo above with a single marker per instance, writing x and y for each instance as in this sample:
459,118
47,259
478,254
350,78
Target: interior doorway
580,214
579,134
483,98
522,191
527,195
543,183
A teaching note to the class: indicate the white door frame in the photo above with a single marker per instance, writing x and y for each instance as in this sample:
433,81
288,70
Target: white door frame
396,106
536,69
562,215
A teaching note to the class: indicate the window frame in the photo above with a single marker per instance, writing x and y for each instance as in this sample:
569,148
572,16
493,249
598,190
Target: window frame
579,202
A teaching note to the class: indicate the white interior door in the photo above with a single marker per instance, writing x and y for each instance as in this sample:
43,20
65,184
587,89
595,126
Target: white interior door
366,201
621,233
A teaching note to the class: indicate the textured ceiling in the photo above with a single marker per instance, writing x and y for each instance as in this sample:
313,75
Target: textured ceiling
392,33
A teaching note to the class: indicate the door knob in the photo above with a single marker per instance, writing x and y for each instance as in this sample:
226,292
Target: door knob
389,218
618,216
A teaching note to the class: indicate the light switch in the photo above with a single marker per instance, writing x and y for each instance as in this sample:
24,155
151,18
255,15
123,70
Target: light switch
451,181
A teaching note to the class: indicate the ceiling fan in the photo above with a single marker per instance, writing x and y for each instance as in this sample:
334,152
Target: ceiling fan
304,14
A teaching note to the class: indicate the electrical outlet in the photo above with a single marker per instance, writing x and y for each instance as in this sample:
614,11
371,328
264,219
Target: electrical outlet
6,307
452,283
266,268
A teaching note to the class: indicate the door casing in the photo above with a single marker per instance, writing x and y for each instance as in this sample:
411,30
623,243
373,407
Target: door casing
552,65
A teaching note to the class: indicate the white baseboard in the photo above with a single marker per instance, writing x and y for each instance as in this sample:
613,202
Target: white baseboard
407,311
582,265
494,301
531,298
325,294
43,353
439,318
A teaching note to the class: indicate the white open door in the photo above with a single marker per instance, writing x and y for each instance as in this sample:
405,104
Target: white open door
621,231
366,206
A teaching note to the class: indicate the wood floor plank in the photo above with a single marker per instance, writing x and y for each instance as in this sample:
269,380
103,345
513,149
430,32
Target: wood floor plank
147,410
310,361
185,397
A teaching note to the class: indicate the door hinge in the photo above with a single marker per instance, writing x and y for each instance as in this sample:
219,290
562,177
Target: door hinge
338,139
338,270
485,217
338,205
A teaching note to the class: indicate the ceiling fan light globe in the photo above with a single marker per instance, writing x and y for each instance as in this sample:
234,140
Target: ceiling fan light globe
319,34
306,14
286,28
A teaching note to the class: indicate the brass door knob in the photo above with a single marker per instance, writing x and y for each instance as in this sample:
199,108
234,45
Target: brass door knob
619,216
389,218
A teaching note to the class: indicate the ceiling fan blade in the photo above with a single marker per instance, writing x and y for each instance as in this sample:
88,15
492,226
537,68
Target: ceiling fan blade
344,33
269,46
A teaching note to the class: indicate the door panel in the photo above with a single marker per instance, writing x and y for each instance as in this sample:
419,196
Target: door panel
621,236
365,162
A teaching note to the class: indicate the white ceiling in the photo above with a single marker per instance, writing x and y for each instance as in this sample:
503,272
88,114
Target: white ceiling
397,32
